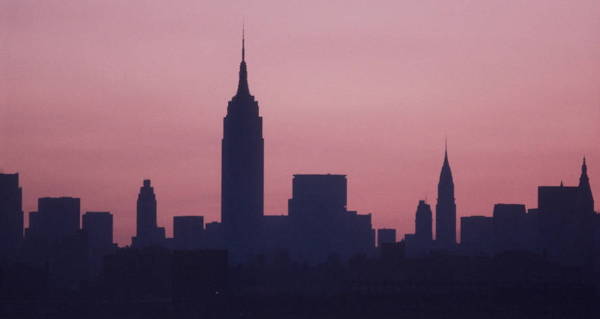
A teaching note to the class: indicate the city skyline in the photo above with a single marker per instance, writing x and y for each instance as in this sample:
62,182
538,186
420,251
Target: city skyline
522,167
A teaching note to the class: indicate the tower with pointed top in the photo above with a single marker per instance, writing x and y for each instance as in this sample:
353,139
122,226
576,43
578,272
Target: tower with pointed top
242,167
445,209
585,198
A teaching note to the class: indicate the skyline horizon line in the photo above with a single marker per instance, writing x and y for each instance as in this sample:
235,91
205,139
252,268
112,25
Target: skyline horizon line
401,238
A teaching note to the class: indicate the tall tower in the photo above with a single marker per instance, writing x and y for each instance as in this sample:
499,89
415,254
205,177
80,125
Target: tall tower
445,209
242,166
148,233
11,213
585,199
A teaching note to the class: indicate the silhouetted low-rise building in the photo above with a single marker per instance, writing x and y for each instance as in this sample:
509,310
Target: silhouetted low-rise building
57,218
386,235
476,233
98,229
98,226
188,232
509,227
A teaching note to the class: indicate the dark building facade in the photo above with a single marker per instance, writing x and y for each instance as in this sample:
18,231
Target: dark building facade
509,227
476,235
54,240
57,218
98,230
147,231
423,223
242,168
566,220
385,236
98,226
314,195
11,213
188,232
445,209
320,224
421,242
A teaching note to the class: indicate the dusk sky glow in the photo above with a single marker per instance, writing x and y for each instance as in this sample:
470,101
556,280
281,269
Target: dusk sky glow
96,96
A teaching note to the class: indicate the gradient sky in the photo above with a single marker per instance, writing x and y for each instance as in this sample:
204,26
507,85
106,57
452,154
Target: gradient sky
97,95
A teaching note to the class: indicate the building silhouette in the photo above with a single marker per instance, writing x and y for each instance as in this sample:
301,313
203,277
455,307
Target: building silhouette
188,232
319,260
147,231
11,213
242,169
445,209
509,227
320,224
585,200
98,226
385,236
420,243
423,223
54,241
566,221
476,235
564,228
57,218
98,230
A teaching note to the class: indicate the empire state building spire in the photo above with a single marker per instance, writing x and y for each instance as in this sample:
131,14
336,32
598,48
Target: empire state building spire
243,89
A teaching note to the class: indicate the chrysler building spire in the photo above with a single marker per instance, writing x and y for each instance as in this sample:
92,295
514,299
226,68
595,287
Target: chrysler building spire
445,212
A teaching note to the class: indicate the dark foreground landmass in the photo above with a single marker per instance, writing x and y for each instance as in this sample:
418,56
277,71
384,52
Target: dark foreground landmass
170,285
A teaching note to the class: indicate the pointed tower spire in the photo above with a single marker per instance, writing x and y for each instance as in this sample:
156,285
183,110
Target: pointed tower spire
243,89
584,181
446,151
587,198
445,210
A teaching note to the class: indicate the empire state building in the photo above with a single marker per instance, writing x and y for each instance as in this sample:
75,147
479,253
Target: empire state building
242,167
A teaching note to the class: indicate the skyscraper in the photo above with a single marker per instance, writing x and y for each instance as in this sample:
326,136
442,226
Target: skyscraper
148,234
98,227
420,243
11,212
242,166
585,200
423,221
445,209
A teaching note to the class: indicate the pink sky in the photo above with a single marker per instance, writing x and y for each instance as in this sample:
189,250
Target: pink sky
97,95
